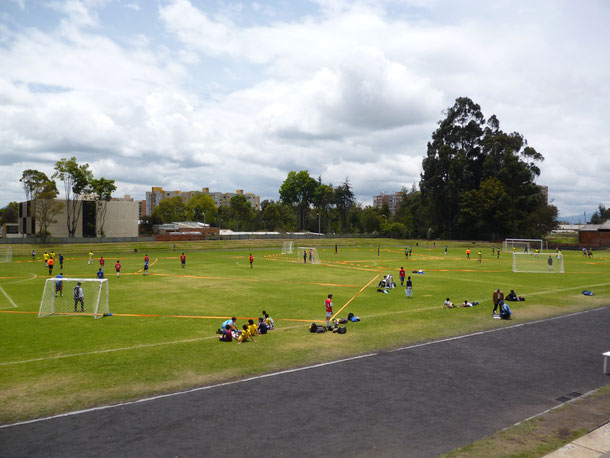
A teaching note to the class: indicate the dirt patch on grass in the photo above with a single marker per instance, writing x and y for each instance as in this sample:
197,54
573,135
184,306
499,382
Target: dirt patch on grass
544,434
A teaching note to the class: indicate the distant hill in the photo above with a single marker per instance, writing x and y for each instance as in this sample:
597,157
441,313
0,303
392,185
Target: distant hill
574,219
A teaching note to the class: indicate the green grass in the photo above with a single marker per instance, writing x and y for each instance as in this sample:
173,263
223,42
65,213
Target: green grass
57,364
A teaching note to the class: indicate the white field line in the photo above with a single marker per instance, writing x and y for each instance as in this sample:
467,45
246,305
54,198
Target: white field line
111,350
289,371
9,299
19,281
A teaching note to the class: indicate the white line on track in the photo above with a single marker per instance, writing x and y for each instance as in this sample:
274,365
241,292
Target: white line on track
8,297
289,371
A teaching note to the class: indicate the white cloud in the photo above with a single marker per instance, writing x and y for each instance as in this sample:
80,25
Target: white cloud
352,89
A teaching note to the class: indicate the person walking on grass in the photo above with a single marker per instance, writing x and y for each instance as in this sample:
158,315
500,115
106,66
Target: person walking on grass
102,262
90,257
50,263
549,261
401,274
328,304
183,260
409,288
117,267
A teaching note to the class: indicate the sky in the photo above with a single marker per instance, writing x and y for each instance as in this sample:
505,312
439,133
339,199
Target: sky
187,94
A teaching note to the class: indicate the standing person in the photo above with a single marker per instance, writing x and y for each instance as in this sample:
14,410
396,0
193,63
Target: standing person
33,255
59,285
411,251
409,288
407,252
328,303
146,259
304,257
445,250
498,253
497,297
468,253
46,259
378,250
90,257
336,249
401,274
50,263
549,261
479,257
146,268
61,261
310,255
102,263
79,296
100,273
117,267
183,260
251,261
493,249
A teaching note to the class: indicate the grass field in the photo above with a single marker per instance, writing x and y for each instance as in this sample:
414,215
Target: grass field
162,335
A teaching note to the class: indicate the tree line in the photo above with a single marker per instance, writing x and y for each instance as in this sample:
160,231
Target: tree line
477,182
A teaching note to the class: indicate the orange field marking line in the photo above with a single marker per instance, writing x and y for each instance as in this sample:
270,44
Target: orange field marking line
356,295
162,316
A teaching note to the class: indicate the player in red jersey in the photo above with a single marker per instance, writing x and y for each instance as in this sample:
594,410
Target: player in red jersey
183,260
117,267
328,303
251,260
401,274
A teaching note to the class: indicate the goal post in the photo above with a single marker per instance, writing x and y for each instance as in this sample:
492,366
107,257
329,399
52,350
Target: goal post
307,255
538,263
6,253
288,247
74,296
523,245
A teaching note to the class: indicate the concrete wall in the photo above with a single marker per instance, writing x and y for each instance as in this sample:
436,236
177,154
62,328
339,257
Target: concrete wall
121,219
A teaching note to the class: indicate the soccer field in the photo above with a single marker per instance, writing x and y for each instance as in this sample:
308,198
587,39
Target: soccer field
161,336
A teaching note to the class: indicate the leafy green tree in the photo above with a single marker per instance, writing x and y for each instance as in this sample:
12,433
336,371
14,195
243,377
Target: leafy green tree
601,215
371,220
10,213
394,230
324,197
271,217
484,212
413,213
171,210
345,201
202,206
77,179
452,161
298,189
241,210
102,189
41,192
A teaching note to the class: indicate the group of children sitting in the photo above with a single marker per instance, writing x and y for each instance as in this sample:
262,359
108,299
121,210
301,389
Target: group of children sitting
466,303
229,331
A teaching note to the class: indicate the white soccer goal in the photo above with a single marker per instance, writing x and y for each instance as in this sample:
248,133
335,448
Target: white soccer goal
538,263
6,253
288,247
524,245
61,296
308,255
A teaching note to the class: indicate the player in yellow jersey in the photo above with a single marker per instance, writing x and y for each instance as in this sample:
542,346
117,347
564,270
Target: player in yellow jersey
245,334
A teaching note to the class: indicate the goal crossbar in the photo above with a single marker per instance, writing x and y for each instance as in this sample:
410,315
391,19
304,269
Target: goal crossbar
74,296
307,255
538,263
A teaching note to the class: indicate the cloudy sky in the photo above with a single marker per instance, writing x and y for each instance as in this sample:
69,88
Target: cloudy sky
228,95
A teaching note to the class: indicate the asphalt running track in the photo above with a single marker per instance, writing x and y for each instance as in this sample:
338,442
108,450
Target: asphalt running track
418,401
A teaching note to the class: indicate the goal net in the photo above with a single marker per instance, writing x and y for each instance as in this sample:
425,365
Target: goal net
523,245
6,253
74,296
307,255
538,263
287,248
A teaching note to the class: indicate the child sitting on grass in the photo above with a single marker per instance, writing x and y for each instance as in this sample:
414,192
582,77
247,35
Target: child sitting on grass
252,329
262,327
449,304
227,335
245,334
269,321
